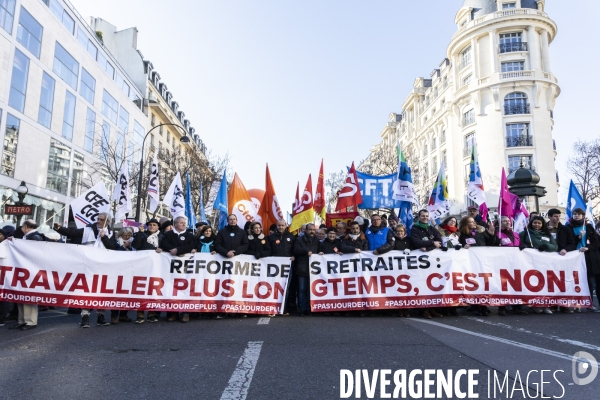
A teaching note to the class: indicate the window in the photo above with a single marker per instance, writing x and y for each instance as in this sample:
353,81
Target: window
122,84
507,6
18,85
434,166
123,120
468,144
87,43
466,80
425,148
105,139
7,14
65,66
77,175
69,116
465,57
62,15
518,135
425,171
131,155
159,147
29,33
513,66
468,118
433,142
90,128
511,42
88,86
110,107
444,160
151,141
11,138
516,103
119,147
152,120
139,133
106,66
514,162
59,162
443,137
160,130
46,100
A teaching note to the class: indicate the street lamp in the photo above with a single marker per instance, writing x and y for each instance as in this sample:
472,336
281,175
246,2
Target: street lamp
22,191
184,139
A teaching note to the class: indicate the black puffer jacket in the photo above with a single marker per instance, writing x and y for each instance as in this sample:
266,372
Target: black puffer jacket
184,242
140,241
400,244
231,238
330,246
565,239
424,238
258,246
350,245
282,244
302,247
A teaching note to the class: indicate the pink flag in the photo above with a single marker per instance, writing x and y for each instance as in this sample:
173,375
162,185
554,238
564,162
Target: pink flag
507,201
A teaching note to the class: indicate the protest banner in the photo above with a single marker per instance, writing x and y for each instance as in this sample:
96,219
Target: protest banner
57,274
483,276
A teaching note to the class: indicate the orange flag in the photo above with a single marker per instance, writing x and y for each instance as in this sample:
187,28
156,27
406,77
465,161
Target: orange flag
270,211
350,193
240,203
303,212
320,194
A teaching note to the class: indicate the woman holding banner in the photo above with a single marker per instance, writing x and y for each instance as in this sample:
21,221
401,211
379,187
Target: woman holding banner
206,240
449,232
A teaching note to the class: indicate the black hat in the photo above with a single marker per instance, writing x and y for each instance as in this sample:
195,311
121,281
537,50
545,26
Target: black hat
166,224
9,230
3,232
200,224
153,221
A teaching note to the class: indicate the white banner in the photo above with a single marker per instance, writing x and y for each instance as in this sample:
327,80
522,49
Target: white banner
67,275
86,207
174,198
121,194
154,185
485,276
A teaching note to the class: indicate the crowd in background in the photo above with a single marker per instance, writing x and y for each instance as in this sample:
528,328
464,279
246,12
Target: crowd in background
379,235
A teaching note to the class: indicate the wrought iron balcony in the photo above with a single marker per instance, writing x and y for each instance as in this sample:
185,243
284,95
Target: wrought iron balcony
518,141
512,46
516,109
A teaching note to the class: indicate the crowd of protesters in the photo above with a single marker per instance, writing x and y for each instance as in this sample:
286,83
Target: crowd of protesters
380,236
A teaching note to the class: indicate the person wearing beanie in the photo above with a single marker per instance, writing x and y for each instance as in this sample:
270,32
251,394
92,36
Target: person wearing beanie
166,226
9,230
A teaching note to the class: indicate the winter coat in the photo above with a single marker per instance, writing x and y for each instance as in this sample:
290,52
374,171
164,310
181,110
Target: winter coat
206,244
184,242
424,238
258,246
35,235
538,240
231,238
302,247
506,241
592,256
399,244
330,246
140,241
482,238
350,245
282,244
76,235
449,239
565,238
374,234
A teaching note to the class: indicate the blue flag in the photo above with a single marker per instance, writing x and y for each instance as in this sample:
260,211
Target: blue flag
221,202
405,215
189,209
202,214
575,200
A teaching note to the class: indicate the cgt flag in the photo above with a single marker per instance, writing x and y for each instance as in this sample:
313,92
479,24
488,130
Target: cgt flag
240,203
303,212
270,211
86,207
121,194
153,185
175,199
350,194
319,202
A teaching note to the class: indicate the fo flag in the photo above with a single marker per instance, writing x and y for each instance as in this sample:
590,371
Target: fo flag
350,194
153,185
121,194
175,199
86,207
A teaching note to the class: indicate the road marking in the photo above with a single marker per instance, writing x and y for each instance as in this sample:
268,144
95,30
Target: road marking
239,383
263,321
543,335
540,350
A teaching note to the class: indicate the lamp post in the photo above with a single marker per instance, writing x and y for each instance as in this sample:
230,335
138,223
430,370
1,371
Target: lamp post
184,139
524,183
22,191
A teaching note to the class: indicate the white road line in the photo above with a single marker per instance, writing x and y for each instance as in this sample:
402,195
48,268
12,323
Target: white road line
263,321
543,335
240,380
540,350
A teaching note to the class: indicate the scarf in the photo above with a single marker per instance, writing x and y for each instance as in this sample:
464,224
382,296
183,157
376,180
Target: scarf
122,242
451,229
420,225
354,237
509,234
177,233
153,239
574,223
474,232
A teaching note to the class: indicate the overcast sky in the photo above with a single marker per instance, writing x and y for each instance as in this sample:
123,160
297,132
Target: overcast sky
290,82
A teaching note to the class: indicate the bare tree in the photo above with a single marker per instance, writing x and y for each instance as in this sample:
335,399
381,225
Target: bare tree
584,166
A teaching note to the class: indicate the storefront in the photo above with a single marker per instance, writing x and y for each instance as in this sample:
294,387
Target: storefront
45,212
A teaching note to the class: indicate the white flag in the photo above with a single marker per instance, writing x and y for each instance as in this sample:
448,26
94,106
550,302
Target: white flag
121,194
175,199
153,185
86,207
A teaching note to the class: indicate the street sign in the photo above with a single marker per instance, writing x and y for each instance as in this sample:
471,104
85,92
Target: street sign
18,210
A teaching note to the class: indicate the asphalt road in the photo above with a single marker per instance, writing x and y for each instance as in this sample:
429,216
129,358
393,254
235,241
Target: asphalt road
289,357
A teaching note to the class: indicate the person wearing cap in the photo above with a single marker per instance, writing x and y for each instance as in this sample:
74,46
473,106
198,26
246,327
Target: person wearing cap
473,212
165,226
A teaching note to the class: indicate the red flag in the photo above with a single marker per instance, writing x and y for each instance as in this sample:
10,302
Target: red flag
269,211
319,202
350,194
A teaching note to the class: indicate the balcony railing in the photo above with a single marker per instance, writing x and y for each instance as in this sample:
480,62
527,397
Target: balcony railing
517,74
464,62
519,141
512,46
516,109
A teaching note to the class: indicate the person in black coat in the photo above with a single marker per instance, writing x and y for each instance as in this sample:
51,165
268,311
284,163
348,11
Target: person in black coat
206,240
331,244
89,235
282,245
178,242
402,241
232,240
258,244
564,237
304,247
355,241
423,235
148,239
471,234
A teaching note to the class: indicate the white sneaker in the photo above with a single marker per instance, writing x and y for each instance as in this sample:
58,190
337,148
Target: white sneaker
547,311
593,309
577,309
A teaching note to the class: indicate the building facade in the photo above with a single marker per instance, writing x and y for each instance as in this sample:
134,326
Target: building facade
495,88
62,93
